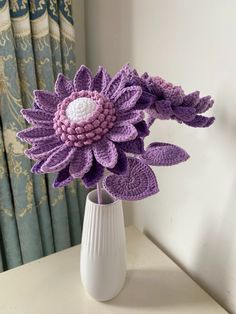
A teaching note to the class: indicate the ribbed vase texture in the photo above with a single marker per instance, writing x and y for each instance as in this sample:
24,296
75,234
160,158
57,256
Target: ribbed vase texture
103,247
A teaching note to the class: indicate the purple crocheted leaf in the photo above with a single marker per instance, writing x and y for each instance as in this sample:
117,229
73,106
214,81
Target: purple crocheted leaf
116,85
38,117
201,122
105,153
204,104
91,178
121,165
191,99
184,113
59,159
83,79
63,86
145,101
101,79
37,167
47,101
63,178
42,151
127,98
163,107
134,147
138,183
142,129
36,134
163,154
132,117
122,132
82,162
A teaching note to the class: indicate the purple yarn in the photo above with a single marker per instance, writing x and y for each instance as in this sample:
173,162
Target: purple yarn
59,142
94,175
63,178
138,183
180,107
163,154
122,163
93,123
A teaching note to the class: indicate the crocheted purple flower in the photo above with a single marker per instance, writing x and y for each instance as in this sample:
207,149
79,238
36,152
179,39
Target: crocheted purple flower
86,125
94,123
163,100
172,103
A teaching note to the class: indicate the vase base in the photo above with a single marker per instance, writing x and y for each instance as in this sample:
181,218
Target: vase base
103,248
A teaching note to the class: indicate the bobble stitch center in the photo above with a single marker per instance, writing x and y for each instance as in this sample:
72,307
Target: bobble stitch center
80,108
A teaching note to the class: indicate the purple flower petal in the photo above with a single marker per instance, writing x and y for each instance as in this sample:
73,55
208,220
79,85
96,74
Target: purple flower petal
201,122
63,86
47,101
127,98
121,166
101,80
134,147
163,107
36,134
59,159
63,178
145,101
83,79
184,113
163,154
142,129
191,100
132,117
42,151
122,132
35,106
152,113
37,167
91,178
116,85
38,117
204,104
175,95
105,153
82,162
138,183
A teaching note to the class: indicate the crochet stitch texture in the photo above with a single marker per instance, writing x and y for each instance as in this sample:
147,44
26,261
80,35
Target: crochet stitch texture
93,123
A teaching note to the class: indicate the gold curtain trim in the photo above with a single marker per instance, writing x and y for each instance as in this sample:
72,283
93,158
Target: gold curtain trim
54,29
21,25
5,18
66,28
40,26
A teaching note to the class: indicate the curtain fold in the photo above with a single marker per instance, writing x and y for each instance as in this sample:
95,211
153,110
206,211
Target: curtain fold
36,43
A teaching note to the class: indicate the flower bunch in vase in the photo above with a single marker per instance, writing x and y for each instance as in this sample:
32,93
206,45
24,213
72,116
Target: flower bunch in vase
92,129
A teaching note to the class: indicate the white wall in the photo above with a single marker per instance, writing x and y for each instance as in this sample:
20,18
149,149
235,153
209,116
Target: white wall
79,23
192,43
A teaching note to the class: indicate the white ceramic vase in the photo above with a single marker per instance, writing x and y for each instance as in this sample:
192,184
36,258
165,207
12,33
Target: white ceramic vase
103,247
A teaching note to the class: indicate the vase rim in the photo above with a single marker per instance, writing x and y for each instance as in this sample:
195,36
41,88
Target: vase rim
92,197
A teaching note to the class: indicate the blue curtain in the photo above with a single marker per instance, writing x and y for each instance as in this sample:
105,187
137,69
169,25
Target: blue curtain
36,43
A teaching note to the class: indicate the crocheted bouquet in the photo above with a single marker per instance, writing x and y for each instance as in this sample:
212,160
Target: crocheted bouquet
92,124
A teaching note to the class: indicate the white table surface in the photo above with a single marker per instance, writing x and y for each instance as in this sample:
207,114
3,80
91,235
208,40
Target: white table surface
155,284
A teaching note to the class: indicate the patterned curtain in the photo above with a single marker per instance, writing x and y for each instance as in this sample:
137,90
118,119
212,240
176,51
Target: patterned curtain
36,43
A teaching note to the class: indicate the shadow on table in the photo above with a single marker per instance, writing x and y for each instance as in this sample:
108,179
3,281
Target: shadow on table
149,288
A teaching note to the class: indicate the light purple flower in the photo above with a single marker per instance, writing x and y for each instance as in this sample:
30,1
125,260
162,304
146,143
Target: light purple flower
172,103
80,128
90,124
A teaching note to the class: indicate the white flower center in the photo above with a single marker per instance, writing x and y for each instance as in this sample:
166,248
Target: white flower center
80,108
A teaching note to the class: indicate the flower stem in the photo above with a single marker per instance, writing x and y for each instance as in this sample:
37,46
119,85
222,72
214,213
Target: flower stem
99,192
